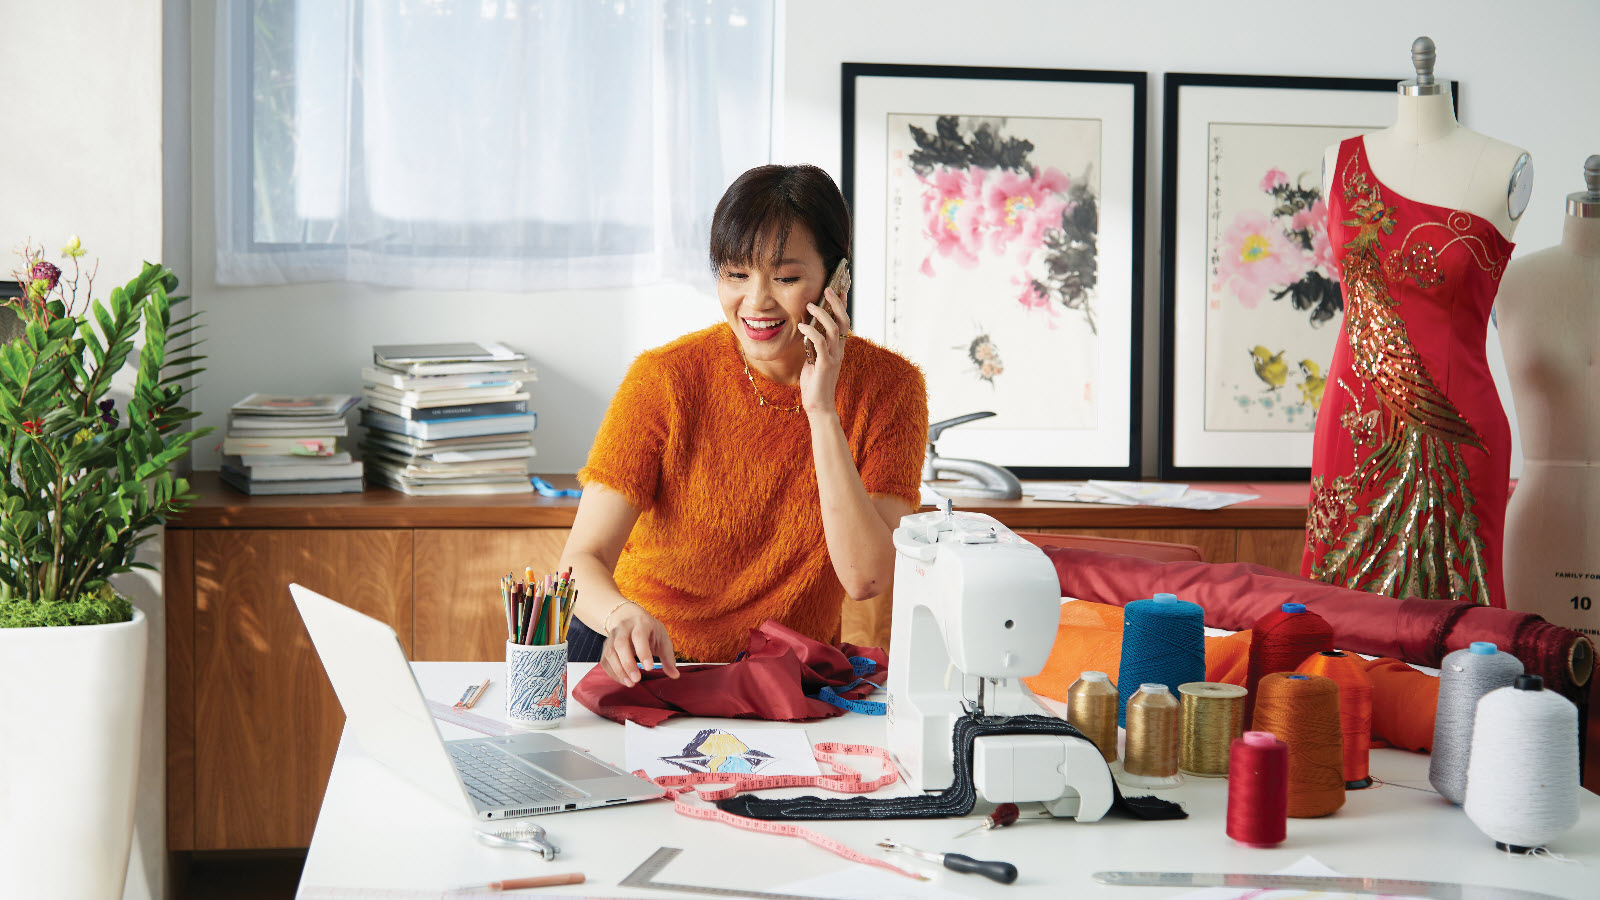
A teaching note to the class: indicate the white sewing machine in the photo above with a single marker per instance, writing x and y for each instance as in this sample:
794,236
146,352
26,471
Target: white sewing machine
975,610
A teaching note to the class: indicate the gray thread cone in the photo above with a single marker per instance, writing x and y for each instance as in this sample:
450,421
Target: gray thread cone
1464,678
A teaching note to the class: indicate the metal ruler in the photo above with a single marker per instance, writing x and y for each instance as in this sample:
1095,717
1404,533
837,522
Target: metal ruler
444,712
644,877
1438,890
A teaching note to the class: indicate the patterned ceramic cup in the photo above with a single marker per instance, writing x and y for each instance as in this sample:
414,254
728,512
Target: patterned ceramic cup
536,684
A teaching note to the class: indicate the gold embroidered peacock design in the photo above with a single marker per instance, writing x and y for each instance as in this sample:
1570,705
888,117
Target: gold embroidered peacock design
1401,521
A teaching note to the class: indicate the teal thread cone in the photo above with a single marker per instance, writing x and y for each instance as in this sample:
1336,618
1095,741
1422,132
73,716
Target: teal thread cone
1163,642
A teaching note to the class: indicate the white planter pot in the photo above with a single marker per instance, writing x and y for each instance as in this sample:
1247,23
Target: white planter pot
71,698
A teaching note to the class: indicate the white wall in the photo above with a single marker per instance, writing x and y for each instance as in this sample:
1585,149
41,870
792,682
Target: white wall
82,83
1527,73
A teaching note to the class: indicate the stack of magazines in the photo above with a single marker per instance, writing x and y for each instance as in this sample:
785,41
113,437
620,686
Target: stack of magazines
448,418
289,445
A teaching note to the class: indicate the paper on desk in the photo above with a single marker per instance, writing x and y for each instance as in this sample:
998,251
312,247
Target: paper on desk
1140,491
1193,499
665,750
867,883
1135,493
1307,865
1080,493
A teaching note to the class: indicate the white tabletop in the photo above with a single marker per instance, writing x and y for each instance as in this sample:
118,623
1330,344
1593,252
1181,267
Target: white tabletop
376,831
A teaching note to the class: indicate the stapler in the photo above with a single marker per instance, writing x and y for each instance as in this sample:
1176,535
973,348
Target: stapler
973,477
975,610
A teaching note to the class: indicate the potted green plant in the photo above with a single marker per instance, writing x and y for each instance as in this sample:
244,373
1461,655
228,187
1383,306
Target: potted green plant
85,483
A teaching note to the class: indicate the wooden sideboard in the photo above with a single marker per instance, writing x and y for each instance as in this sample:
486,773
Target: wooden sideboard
252,724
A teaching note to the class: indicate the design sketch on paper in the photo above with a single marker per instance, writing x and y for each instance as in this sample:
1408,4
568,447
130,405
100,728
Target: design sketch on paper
715,750
1273,301
992,236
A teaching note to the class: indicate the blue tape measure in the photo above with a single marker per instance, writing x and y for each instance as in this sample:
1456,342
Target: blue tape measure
862,667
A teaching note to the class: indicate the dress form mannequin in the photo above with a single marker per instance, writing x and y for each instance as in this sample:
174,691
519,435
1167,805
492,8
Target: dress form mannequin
1549,306
1411,452
1428,157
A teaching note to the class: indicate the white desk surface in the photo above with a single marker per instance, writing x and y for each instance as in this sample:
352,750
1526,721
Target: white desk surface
377,831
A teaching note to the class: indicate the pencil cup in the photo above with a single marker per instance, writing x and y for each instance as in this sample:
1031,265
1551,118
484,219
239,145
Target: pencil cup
536,684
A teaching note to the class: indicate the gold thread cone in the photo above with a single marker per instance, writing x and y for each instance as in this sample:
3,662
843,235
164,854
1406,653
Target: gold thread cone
1212,715
1092,709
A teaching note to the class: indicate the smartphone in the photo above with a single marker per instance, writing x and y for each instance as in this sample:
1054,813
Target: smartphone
839,284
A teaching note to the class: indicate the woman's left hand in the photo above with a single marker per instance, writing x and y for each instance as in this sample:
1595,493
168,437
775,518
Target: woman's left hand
819,380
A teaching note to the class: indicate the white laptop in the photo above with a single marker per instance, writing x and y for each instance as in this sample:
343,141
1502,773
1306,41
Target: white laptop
493,778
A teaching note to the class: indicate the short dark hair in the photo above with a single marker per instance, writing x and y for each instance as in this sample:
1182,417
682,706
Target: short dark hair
756,213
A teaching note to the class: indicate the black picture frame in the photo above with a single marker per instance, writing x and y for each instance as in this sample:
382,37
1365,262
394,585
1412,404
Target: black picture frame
1185,453
979,93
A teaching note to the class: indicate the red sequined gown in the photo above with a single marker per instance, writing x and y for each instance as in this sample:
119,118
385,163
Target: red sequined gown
1410,466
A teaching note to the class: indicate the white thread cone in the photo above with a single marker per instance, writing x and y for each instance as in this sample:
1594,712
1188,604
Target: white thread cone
1522,778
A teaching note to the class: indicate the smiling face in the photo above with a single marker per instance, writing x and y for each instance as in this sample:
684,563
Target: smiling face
765,300
776,234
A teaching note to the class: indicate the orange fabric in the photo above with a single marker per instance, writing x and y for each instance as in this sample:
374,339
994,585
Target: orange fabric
1403,704
730,527
1090,638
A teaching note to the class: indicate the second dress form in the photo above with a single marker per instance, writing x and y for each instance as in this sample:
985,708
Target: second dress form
1550,327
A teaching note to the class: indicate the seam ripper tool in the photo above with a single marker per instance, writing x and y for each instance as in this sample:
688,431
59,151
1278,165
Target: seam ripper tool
1003,815
992,869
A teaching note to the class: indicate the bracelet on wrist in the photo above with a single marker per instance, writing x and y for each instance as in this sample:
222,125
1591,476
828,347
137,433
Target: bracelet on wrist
605,624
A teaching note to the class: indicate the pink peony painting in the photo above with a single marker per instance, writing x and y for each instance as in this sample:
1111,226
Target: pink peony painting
1256,258
991,272
984,199
956,221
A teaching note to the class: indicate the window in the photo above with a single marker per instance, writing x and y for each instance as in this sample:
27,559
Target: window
483,144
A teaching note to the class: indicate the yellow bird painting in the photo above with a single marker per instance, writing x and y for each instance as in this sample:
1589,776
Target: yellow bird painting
1315,381
1270,368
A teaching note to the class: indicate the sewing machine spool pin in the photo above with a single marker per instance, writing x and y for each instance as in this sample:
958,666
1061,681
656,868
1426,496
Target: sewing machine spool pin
973,477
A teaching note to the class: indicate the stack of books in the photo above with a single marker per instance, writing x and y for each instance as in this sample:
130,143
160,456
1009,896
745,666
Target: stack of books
289,445
448,418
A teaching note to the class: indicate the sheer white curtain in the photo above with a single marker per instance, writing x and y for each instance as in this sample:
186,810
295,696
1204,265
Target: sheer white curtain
483,144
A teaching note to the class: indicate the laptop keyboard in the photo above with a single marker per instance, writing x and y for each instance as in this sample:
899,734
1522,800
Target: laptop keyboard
493,780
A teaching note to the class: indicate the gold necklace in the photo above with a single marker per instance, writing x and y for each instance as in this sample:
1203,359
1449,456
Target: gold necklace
760,400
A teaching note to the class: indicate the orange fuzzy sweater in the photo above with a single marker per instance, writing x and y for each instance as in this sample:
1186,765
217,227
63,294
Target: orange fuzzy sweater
730,526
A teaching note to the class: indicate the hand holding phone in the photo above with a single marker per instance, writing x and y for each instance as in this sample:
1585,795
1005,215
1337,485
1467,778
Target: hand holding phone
840,285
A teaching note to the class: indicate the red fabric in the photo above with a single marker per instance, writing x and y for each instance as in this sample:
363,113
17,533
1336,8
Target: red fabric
1410,465
770,681
1235,595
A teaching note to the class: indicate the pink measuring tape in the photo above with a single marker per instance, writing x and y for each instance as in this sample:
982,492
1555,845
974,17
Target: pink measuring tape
845,780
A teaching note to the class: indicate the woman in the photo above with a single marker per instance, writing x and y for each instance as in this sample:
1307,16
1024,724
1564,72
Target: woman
732,481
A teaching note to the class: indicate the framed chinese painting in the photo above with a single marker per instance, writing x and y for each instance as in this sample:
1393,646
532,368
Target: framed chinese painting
999,227
1251,301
